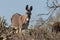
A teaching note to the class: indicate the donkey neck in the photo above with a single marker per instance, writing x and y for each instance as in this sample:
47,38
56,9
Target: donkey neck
23,18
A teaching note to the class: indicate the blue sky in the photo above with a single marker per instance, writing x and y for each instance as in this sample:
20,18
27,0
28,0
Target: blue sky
9,7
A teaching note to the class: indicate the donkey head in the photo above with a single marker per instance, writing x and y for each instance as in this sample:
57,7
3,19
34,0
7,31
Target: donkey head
28,10
27,16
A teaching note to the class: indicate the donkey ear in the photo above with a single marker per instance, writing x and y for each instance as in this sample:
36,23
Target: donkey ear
26,7
31,8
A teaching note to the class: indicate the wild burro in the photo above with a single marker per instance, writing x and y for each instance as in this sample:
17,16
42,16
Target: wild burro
21,21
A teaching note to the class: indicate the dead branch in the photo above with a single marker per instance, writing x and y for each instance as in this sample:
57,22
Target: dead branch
54,5
45,14
48,17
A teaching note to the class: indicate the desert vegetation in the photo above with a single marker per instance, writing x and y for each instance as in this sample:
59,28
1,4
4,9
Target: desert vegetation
38,32
41,30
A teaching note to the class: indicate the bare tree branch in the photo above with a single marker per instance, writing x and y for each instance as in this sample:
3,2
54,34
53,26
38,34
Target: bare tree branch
54,5
48,17
45,14
48,5
56,1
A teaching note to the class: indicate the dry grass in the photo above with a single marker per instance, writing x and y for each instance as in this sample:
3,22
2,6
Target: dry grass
29,34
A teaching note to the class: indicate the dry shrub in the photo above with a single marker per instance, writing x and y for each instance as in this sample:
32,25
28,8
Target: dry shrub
8,33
